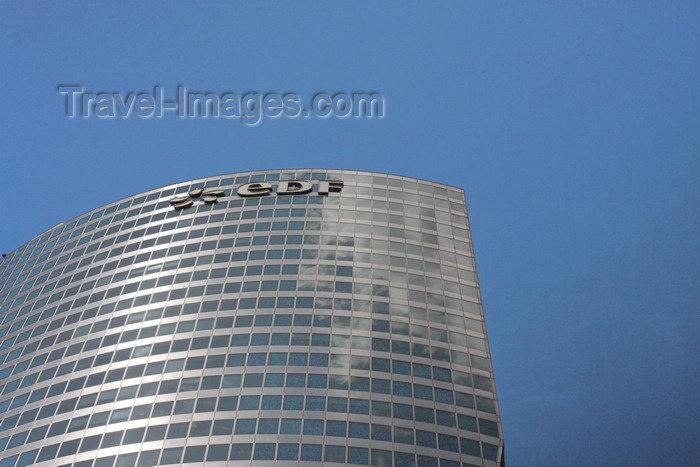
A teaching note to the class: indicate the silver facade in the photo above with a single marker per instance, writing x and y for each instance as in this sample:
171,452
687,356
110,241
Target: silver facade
281,330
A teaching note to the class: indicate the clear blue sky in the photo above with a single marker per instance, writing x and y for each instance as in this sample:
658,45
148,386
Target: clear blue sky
574,128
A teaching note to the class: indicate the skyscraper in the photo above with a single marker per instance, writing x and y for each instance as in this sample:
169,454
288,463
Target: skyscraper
288,317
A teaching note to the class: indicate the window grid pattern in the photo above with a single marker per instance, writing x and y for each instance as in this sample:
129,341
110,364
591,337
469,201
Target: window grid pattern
340,329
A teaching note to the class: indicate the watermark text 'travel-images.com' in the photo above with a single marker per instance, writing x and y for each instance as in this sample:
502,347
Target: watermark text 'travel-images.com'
250,108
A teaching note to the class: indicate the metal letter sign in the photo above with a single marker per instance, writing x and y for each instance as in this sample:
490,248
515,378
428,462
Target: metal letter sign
247,190
293,187
289,187
254,189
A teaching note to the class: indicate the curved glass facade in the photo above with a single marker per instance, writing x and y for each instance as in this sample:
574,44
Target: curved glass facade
333,320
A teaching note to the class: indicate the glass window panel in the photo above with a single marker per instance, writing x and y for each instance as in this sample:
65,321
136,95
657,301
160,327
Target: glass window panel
268,426
381,432
271,402
249,403
264,451
287,451
241,451
426,438
311,452
222,427
291,426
